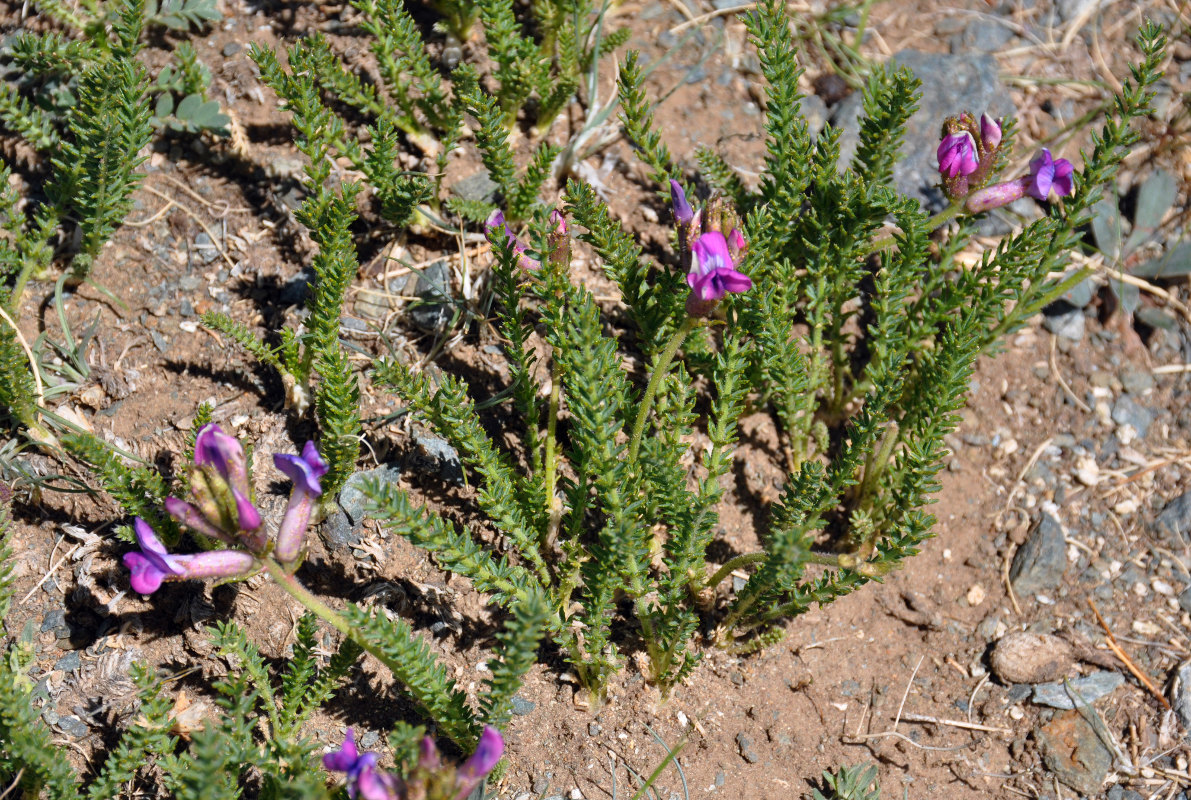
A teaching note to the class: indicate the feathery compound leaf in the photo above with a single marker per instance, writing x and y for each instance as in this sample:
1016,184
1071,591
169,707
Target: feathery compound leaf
890,99
139,490
637,116
453,551
424,677
148,736
28,757
518,651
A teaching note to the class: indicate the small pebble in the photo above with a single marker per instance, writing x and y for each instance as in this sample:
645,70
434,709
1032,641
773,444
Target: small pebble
746,748
521,706
1023,657
976,595
593,729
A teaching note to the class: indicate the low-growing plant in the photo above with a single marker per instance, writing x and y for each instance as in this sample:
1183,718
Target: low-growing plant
850,783
800,302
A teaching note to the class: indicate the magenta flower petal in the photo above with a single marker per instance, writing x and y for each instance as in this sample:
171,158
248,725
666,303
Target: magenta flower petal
482,761
344,759
191,517
219,564
303,470
681,208
373,784
990,132
957,155
223,452
711,253
1042,175
250,518
145,576
153,564
733,281
1063,184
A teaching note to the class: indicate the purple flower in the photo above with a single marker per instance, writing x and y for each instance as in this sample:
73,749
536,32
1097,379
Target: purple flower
712,272
363,777
214,448
683,212
957,155
153,564
492,229
558,223
990,133
482,761
1047,173
304,471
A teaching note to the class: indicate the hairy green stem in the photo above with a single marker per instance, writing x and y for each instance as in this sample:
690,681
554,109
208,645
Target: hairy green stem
315,606
550,459
655,380
733,565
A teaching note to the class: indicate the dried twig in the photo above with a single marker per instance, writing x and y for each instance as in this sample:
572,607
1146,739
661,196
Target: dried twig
1128,662
956,723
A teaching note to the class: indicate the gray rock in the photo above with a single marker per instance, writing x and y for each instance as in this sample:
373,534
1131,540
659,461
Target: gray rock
436,455
231,48
1136,380
1074,753
521,706
1070,9
73,726
369,738
985,35
746,748
206,249
1118,792
1174,523
344,526
1182,700
1082,691
434,309
478,188
950,84
50,716
1127,411
1081,294
1067,325
540,784
593,729
55,620
69,662
815,112
1040,562
1185,600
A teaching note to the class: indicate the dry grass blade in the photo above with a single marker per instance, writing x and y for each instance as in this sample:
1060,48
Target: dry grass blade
1123,656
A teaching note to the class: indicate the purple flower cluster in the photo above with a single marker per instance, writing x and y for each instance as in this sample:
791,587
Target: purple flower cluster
220,509
714,254
430,779
968,152
496,229
967,155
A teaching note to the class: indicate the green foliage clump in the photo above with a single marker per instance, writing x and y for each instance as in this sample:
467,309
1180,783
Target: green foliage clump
850,783
857,338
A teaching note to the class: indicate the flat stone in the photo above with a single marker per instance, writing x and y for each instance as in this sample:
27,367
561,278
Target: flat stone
1040,562
1067,325
435,454
73,726
1173,524
1127,411
1073,752
1080,691
1024,657
521,706
433,310
478,188
369,738
1136,380
950,84
985,35
69,662
343,528
1118,792
1182,700
746,748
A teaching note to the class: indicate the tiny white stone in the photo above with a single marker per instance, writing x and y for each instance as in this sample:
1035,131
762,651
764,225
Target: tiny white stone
1162,587
976,595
